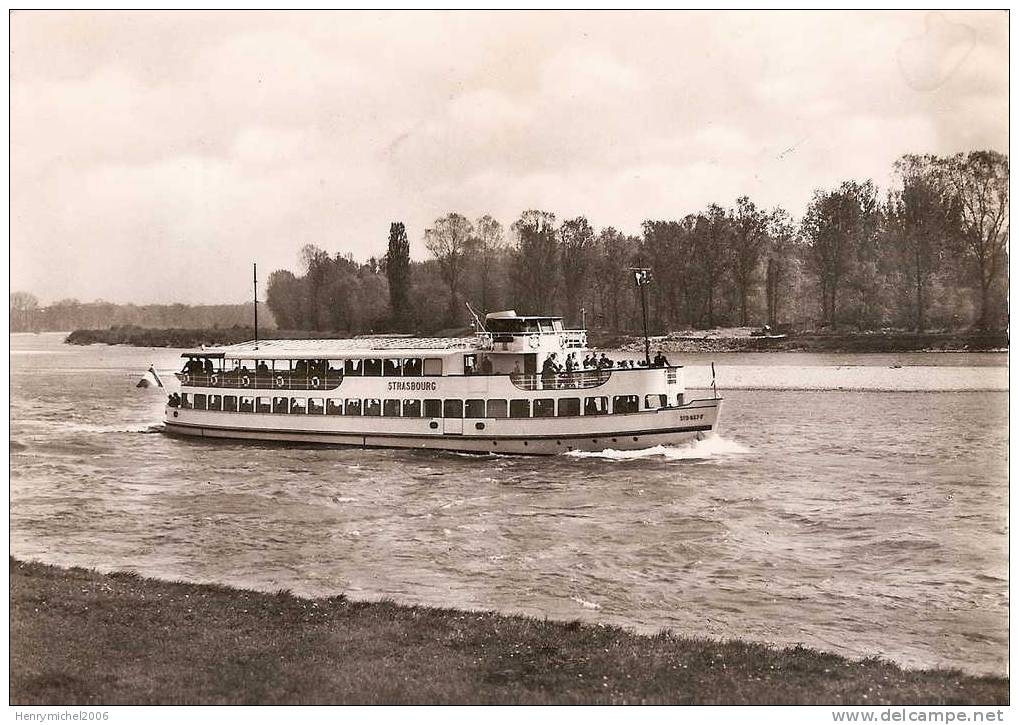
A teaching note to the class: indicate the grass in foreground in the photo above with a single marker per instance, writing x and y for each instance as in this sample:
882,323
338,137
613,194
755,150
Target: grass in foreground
80,637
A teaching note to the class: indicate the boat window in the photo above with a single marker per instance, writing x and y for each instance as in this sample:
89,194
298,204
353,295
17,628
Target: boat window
316,406
531,326
475,409
352,406
470,362
520,408
433,408
679,399
391,408
264,405
372,406
654,402
557,325
544,407
215,402
246,404
545,325
392,367
433,366
412,409
596,406
452,409
625,403
504,325
569,406
334,407
335,368
230,403
373,367
279,405
352,367
200,401
298,406
185,400
412,367
496,409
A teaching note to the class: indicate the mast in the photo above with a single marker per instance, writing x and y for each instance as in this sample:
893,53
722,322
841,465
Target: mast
642,276
254,277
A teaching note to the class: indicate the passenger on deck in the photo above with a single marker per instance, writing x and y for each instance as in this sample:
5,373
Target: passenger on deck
548,372
660,360
262,368
516,367
208,367
571,362
589,362
486,366
604,361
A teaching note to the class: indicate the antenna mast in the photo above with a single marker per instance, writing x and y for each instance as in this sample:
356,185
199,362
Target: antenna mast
254,268
642,276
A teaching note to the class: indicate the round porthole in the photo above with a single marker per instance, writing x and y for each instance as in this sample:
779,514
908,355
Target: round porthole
558,443
635,439
175,414
525,443
479,426
433,425
614,440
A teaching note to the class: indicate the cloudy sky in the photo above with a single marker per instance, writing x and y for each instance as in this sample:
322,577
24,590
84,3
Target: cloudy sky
156,155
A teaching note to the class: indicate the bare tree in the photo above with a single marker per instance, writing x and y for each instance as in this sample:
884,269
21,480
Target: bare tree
979,183
536,261
837,225
921,217
747,243
489,243
451,241
576,244
781,258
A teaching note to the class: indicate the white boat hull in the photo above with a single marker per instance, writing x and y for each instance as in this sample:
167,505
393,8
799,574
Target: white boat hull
533,436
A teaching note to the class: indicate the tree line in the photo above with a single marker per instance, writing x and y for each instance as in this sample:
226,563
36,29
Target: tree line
27,315
929,253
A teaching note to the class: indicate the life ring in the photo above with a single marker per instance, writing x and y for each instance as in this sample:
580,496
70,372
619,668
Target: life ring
214,380
246,381
533,341
280,382
562,341
315,382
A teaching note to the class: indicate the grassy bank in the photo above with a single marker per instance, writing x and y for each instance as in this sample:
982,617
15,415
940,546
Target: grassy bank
79,637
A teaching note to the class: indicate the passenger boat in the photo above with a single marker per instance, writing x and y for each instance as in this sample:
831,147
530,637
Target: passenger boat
492,392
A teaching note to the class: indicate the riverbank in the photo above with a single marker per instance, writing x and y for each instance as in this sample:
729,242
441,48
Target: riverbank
741,340
717,340
81,637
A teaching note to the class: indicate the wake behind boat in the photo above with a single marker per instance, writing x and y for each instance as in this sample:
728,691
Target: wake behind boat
518,386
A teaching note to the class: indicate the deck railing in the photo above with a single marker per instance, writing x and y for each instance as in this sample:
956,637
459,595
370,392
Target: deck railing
280,380
561,381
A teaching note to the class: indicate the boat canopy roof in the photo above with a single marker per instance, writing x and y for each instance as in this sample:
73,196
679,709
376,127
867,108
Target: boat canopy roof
512,315
359,347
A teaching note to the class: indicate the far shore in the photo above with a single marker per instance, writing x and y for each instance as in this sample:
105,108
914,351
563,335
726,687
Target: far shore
718,340
79,637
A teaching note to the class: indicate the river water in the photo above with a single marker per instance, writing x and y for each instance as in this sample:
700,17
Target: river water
853,503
